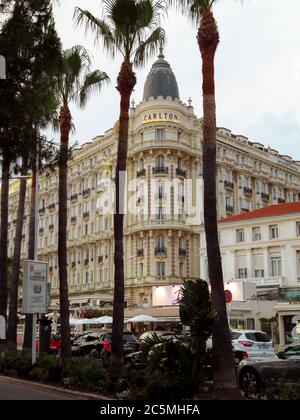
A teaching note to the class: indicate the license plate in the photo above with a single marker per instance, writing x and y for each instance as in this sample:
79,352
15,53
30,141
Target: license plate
263,346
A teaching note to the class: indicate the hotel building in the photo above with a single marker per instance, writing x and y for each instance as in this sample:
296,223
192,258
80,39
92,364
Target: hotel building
164,172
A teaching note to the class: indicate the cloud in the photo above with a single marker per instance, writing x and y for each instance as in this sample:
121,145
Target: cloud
281,133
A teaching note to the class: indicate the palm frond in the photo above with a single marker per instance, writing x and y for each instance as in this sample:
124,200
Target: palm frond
99,27
149,47
93,82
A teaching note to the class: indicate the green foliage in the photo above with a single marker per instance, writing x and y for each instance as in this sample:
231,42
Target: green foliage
129,27
15,362
88,373
282,392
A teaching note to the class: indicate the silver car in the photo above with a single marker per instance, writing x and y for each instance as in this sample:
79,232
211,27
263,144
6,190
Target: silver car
257,373
255,343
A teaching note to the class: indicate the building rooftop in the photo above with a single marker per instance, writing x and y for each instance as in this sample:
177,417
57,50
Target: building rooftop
161,80
270,211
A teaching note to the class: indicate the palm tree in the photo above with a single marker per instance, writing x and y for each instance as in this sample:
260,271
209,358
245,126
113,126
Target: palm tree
76,83
208,39
130,27
13,289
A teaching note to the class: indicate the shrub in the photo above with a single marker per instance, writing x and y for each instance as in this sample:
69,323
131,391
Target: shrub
88,373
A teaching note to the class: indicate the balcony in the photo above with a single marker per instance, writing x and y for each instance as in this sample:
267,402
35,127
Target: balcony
74,197
160,250
86,192
229,209
141,173
290,295
100,259
228,185
265,196
86,215
181,172
73,219
42,211
140,253
182,252
51,207
160,170
248,191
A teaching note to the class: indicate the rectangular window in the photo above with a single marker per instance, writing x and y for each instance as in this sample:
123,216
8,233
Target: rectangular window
181,269
273,229
160,269
141,270
160,134
256,234
276,267
298,228
240,235
242,273
259,273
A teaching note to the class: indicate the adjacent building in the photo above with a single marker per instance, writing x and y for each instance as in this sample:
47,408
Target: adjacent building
262,248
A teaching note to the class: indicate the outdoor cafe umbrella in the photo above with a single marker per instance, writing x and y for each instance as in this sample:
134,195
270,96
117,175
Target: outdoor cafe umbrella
104,320
142,318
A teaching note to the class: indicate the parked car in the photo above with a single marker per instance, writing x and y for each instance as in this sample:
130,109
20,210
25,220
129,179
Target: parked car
257,373
255,343
55,343
289,350
164,335
130,342
83,344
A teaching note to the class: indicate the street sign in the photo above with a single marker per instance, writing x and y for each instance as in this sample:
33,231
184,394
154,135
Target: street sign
228,296
35,287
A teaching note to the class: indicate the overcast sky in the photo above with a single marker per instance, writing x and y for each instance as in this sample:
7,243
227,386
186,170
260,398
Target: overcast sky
257,70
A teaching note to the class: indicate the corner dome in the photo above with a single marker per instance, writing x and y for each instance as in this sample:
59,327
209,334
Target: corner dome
161,80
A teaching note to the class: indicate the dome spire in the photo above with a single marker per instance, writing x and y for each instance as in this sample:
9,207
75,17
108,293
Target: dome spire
161,80
161,53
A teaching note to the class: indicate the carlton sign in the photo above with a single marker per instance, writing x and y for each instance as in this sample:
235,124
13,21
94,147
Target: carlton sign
160,117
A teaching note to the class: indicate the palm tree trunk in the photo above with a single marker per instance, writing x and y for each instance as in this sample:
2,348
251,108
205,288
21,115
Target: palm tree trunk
65,127
223,362
13,296
27,343
4,234
126,83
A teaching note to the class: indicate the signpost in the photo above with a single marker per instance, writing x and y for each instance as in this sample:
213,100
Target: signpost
35,294
228,296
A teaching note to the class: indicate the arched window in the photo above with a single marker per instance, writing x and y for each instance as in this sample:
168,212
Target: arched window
160,161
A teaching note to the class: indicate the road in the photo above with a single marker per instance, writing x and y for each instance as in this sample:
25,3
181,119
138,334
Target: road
10,390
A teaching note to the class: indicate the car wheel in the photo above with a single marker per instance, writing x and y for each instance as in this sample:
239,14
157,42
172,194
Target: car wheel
250,382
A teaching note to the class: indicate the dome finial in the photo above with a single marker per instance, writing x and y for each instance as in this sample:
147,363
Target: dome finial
161,53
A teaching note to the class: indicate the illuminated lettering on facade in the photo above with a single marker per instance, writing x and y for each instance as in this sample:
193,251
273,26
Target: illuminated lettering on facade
160,117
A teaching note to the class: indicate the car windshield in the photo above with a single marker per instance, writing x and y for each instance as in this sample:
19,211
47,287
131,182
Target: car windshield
258,336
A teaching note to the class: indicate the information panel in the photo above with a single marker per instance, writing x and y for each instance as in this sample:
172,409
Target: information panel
35,289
